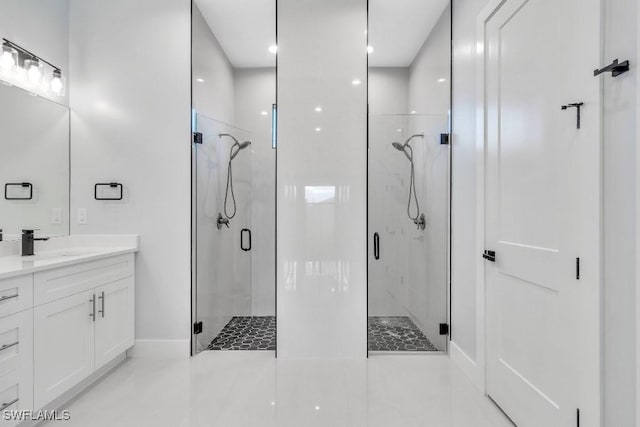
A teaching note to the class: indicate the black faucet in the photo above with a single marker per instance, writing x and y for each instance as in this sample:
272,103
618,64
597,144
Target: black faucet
27,242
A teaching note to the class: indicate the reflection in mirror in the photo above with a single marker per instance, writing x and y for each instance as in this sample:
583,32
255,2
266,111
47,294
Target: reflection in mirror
233,80
34,154
409,99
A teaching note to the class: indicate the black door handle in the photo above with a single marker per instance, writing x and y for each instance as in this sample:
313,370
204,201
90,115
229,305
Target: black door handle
376,245
242,246
489,255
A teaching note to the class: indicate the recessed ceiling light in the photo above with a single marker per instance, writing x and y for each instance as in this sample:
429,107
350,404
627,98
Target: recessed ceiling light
398,130
369,49
356,82
442,80
199,80
318,109
413,111
317,408
263,113
318,129
273,49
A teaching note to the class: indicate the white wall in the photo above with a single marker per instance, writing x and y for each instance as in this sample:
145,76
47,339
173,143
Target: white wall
620,214
427,93
214,97
388,90
321,255
463,192
42,27
130,101
255,93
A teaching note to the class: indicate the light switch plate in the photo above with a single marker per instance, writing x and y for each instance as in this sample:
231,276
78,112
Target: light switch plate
82,215
56,216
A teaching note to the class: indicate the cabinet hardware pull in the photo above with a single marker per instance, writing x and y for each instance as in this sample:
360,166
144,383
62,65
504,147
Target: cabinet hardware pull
7,404
6,346
101,304
376,245
8,297
93,302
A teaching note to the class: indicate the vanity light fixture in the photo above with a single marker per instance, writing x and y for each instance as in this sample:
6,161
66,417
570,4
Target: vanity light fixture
18,65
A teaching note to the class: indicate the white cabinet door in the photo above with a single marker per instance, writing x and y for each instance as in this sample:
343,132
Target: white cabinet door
63,345
114,320
16,363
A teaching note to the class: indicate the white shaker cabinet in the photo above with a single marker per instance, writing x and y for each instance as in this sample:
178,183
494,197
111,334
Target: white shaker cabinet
63,344
114,326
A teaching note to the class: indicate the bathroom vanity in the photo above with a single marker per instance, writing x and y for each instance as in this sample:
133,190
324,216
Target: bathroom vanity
66,316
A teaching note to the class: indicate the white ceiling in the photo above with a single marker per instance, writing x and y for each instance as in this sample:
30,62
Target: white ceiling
246,29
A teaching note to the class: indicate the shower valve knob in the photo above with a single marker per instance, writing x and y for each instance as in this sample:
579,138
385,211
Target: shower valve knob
222,221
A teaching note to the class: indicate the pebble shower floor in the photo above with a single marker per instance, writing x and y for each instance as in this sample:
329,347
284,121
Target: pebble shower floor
395,333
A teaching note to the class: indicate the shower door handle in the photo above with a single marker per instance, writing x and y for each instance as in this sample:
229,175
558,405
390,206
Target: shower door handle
242,233
376,245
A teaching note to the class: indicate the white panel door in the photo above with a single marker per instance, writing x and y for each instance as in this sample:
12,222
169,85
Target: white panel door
63,345
541,210
114,331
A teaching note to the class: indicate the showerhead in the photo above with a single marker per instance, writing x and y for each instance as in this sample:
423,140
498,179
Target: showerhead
403,148
239,146
398,146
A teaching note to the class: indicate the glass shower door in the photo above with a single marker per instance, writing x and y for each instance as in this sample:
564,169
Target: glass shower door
221,232
409,229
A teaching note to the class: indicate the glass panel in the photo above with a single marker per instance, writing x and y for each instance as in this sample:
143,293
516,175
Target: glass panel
409,159
408,280
223,267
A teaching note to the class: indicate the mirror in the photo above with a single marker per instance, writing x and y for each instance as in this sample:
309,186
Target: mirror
34,164
409,157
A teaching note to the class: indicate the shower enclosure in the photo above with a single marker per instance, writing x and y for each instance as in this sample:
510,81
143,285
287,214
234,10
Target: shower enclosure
409,162
408,222
233,176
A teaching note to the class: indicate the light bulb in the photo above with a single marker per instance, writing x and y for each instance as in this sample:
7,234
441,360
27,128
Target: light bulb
34,74
56,82
369,49
273,49
8,57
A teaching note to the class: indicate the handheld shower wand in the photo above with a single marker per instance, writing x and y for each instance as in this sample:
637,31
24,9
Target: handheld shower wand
418,219
233,152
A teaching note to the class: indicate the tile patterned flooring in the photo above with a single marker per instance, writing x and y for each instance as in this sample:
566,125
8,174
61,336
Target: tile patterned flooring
396,333
247,333
388,333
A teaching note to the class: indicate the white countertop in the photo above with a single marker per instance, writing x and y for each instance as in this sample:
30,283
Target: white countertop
64,251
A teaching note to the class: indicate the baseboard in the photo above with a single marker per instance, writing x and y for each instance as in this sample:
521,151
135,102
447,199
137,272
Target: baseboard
160,349
467,365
